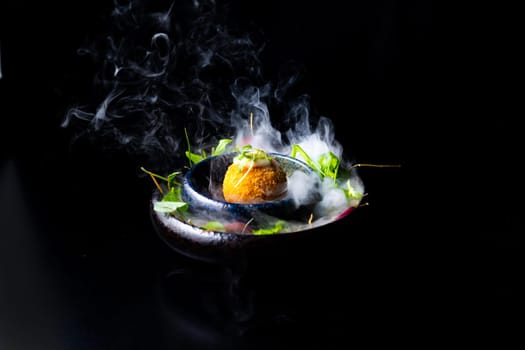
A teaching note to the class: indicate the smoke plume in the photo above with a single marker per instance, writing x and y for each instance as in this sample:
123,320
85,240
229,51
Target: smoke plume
164,71
168,77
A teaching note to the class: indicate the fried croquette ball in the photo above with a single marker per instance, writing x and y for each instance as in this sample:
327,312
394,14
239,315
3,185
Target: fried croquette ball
254,177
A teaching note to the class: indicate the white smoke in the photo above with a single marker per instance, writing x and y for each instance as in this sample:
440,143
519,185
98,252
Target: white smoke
165,74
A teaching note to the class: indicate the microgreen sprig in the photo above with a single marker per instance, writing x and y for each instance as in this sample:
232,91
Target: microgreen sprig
171,179
251,153
171,199
194,158
327,165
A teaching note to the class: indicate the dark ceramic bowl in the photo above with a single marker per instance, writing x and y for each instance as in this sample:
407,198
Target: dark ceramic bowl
194,241
202,190
229,248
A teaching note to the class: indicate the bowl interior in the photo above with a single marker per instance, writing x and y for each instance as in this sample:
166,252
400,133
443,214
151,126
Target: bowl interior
202,189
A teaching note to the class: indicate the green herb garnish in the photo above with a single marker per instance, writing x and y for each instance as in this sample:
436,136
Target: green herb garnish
251,153
279,226
350,192
194,158
214,226
169,207
327,166
171,196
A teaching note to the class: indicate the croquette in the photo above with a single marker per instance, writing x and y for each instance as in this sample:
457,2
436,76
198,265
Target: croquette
254,178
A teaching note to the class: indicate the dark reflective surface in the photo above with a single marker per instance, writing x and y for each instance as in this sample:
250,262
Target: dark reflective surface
86,273
82,268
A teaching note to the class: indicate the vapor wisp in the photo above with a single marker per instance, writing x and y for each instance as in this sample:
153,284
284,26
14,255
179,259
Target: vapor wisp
167,78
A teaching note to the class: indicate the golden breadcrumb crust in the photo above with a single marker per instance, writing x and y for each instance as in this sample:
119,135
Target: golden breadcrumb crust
254,184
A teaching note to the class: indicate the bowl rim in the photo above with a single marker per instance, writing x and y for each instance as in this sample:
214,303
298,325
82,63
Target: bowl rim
222,247
206,234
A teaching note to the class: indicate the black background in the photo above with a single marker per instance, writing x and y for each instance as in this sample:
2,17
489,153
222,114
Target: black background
434,255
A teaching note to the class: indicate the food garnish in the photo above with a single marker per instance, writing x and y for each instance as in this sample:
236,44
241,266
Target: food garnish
328,166
171,201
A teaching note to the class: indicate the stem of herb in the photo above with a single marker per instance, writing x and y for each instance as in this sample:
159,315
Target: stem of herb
153,177
188,142
376,165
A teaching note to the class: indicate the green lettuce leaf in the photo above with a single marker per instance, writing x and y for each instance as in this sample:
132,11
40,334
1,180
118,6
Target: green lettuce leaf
276,228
